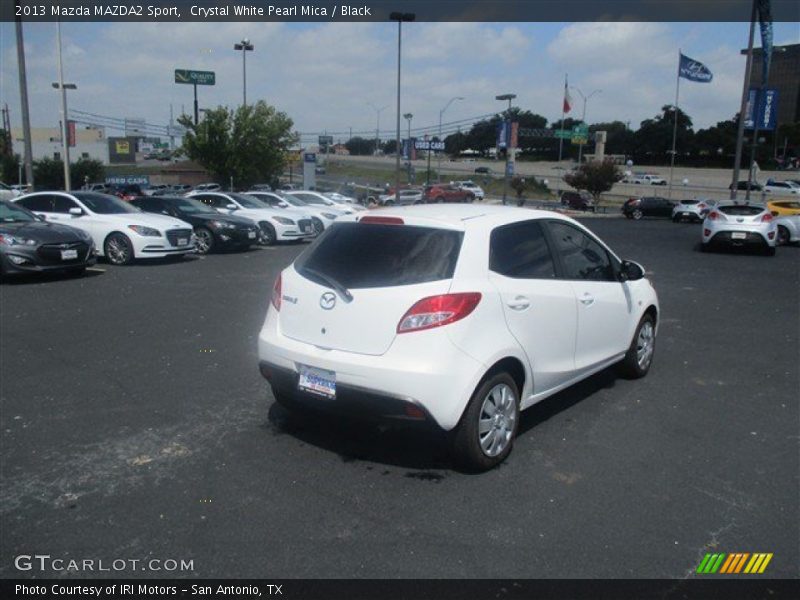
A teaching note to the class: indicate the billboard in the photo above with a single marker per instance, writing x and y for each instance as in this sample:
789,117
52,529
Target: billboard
767,109
121,150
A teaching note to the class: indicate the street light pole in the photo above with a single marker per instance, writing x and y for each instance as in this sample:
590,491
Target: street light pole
63,87
245,46
378,111
509,150
441,114
408,117
399,17
583,116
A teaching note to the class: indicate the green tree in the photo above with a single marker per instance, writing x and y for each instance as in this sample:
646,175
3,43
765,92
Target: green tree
48,174
595,177
86,170
359,146
9,168
249,144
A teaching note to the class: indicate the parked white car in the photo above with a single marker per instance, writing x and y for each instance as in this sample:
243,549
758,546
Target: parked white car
458,316
408,196
644,178
320,201
781,188
473,187
121,232
7,193
274,224
692,210
740,224
320,219
341,198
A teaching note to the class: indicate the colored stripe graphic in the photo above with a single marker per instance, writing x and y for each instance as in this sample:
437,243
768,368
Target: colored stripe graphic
734,563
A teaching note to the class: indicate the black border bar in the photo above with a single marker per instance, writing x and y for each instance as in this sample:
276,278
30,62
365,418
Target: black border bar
734,588
379,10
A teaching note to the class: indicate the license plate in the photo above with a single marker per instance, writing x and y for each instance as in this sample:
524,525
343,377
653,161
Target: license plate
183,241
252,235
738,235
69,254
317,381
687,214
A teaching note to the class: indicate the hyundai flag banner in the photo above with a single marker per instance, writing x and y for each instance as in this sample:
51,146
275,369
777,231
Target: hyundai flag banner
694,70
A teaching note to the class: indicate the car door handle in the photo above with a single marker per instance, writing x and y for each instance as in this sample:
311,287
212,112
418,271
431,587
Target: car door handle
519,303
587,299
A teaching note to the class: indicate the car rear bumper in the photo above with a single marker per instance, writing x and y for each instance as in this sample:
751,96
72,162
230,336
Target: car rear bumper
431,374
751,238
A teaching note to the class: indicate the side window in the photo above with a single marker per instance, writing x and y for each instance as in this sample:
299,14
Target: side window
62,204
581,256
521,251
40,203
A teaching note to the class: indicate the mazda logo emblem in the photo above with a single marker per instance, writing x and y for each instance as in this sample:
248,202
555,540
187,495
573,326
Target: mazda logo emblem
327,301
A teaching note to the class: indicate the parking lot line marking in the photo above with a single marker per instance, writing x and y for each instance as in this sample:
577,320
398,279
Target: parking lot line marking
96,270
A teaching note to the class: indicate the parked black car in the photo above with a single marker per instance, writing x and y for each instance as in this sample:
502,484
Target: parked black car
577,200
212,229
484,170
649,206
742,185
30,245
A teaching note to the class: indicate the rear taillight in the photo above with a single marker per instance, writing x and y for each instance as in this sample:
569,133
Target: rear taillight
436,311
767,218
714,215
706,232
701,206
276,293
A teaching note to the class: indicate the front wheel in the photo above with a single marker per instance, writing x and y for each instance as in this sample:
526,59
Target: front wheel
118,249
639,357
637,214
205,240
485,435
268,235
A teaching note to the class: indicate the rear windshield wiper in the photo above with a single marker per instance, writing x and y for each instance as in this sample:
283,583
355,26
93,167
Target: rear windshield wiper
343,292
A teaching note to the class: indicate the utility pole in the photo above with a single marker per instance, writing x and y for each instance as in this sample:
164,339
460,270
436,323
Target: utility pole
509,150
408,117
23,96
441,114
399,17
245,46
63,87
743,107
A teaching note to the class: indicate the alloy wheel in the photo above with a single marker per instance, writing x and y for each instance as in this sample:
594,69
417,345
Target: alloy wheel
497,420
645,345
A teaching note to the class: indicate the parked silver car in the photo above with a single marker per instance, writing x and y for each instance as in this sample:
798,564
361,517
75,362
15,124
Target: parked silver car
692,210
740,224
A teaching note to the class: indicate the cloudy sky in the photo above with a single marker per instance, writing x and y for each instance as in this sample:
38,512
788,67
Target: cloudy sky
326,76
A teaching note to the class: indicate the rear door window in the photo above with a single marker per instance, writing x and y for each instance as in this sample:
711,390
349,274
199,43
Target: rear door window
520,251
367,255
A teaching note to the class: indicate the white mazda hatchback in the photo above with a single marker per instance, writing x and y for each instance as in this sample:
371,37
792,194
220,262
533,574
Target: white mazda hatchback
459,316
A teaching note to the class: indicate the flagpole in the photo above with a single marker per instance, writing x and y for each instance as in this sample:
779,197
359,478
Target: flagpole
743,108
561,138
675,125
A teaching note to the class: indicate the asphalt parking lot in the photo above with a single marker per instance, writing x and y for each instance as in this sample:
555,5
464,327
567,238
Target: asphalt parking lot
135,424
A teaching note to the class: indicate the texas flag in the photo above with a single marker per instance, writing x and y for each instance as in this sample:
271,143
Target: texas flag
567,98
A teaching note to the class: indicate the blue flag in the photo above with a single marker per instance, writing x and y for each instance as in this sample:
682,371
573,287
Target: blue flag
765,24
694,70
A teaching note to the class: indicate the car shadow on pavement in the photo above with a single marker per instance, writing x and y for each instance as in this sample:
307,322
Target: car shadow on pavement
48,277
411,448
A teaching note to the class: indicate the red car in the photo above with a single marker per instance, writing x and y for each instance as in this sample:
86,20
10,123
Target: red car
445,192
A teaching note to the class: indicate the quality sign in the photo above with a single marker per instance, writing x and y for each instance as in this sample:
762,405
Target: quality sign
195,77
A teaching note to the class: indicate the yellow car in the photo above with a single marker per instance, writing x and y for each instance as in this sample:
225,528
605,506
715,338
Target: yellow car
784,207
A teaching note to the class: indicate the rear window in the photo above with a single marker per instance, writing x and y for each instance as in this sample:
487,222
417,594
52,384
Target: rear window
689,202
741,210
367,255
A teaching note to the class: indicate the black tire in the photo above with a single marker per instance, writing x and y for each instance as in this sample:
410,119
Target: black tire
676,219
205,241
268,235
318,225
389,203
628,216
466,437
637,214
783,236
118,249
471,198
632,366
705,247
769,251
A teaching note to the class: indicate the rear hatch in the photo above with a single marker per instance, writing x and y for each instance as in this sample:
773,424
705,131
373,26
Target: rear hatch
743,213
351,288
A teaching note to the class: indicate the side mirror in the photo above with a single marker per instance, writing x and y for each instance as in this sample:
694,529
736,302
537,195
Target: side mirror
630,271
75,211
41,218
231,207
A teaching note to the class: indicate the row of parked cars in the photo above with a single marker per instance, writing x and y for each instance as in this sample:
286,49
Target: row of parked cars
454,191
727,223
61,230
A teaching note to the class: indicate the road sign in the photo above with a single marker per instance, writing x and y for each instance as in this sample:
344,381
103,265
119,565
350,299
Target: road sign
577,139
566,133
325,140
426,145
195,77
581,129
